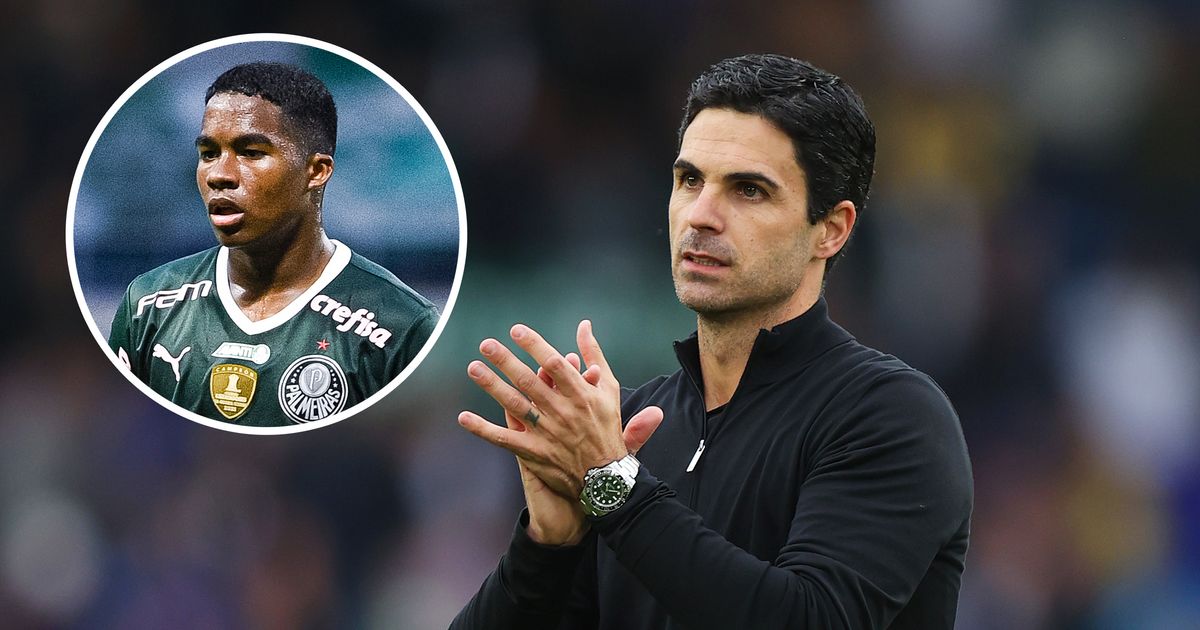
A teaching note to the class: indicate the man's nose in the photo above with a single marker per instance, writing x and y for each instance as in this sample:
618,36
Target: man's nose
706,211
222,173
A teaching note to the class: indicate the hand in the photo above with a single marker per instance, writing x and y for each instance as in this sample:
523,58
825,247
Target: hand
553,520
570,427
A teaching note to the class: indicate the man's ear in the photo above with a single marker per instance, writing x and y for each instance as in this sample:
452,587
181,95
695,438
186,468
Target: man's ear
837,226
320,169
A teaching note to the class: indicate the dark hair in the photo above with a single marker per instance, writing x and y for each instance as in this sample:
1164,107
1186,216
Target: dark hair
306,103
825,118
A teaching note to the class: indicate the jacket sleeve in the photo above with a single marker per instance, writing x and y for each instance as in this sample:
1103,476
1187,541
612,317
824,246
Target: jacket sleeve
888,486
535,587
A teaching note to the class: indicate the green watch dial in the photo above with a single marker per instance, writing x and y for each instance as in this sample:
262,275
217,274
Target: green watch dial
609,491
606,489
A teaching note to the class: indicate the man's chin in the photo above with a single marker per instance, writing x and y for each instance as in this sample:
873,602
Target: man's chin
703,302
236,237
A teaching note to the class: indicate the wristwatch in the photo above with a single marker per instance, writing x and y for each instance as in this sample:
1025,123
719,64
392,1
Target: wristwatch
607,487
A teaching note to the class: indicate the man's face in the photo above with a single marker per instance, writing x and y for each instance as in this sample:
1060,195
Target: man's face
253,177
740,237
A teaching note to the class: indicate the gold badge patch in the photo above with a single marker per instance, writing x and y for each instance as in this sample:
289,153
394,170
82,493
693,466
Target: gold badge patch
232,388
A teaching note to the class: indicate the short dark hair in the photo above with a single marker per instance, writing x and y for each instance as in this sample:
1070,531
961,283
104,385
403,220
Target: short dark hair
306,103
825,118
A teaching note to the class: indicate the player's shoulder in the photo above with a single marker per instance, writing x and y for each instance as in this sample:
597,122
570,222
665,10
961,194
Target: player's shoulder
858,369
366,278
877,393
193,269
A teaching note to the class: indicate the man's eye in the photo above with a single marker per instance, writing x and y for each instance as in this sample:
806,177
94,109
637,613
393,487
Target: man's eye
253,153
751,191
208,154
689,181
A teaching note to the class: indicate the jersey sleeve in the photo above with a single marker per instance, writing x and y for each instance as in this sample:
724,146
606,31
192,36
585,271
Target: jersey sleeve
414,339
421,333
120,337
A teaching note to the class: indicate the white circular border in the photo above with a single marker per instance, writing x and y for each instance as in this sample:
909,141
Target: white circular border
458,270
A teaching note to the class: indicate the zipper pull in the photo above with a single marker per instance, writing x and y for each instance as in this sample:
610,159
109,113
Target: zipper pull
696,457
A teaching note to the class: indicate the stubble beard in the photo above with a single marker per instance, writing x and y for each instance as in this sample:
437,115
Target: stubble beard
755,292
749,295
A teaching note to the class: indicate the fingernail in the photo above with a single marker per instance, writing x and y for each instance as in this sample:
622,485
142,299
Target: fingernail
488,346
518,331
475,369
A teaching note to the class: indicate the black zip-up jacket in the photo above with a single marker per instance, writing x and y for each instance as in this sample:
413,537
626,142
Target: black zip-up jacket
832,491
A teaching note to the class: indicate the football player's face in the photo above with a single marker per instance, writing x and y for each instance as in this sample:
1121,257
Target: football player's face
740,237
253,177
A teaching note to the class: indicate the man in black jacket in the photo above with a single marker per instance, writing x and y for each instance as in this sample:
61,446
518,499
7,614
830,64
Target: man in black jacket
795,478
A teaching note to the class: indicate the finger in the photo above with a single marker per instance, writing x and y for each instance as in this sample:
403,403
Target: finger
566,378
545,377
510,399
519,374
589,347
516,442
640,427
574,360
514,423
571,358
592,375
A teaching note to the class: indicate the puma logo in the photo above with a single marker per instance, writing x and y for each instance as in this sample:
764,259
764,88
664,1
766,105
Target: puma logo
161,353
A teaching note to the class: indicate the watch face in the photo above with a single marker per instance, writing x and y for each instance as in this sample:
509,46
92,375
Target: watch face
607,491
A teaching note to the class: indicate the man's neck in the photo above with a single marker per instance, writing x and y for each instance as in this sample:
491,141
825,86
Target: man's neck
726,342
264,280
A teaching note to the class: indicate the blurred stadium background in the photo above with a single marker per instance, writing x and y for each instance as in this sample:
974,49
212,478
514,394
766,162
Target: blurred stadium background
1032,242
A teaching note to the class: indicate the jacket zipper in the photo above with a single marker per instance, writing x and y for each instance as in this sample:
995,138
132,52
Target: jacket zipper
699,448
705,440
696,460
696,457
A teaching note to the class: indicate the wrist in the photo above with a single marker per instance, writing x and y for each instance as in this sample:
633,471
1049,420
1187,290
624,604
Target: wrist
557,536
607,487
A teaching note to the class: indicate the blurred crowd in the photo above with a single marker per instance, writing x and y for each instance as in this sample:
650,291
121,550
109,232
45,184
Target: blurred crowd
1032,241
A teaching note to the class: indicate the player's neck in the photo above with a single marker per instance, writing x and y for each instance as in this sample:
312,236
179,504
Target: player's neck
257,273
727,339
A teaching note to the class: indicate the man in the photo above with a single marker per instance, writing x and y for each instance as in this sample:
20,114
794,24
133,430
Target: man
798,479
279,324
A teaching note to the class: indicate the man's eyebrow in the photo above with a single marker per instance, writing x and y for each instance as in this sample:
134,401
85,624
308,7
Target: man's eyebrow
752,176
684,165
239,141
741,176
251,138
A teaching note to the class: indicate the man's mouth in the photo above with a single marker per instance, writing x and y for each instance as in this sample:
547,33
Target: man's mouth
224,213
702,259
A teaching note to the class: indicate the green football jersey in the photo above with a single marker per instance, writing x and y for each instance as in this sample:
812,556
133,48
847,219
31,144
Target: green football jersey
180,331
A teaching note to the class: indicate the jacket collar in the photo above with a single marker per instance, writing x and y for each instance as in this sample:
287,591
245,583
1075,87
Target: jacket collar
777,353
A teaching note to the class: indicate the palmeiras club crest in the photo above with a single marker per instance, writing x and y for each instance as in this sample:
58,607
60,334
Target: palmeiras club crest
312,388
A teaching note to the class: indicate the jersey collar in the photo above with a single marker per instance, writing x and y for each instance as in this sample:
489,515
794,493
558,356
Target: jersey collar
341,258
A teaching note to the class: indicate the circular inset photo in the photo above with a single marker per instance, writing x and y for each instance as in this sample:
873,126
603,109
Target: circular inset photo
266,234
